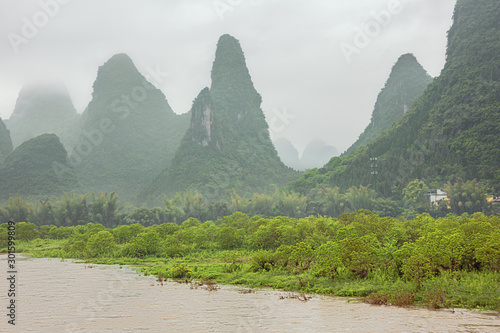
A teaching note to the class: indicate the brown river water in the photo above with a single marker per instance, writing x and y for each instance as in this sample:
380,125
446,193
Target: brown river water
62,296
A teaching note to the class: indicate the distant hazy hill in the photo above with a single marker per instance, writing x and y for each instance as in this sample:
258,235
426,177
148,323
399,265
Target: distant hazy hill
317,154
5,142
42,108
451,131
406,83
128,133
38,167
288,153
227,145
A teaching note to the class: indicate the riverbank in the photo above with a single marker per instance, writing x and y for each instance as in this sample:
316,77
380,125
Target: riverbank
437,263
61,296
470,290
467,290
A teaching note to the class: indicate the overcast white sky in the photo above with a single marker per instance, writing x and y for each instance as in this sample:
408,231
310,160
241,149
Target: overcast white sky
292,48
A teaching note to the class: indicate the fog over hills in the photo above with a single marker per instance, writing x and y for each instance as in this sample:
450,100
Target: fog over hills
128,132
43,107
316,154
293,51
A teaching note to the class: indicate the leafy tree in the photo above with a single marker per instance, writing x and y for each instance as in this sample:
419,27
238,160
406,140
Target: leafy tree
26,231
147,216
44,231
414,194
360,198
173,247
105,209
216,210
196,236
61,232
122,234
266,234
261,204
290,204
148,243
476,234
193,205
488,252
190,223
100,244
71,210
77,245
238,203
94,228
387,207
43,213
333,203
228,238
166,229
359,255
302,257
173,210
367,223
16,210
262,261
136,229
4,236
466,197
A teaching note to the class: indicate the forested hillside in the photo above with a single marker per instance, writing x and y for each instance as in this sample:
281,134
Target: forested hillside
451,131
128,132
5,142
407,82
39,167
227,145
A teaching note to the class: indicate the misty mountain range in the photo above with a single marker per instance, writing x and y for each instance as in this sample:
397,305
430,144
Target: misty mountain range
316,154
128,139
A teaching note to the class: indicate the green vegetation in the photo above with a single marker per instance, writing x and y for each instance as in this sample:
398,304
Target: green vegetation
466,197
450,132
33,169
77,209
444,262
5,142
407,82
227,145
128,133
225,217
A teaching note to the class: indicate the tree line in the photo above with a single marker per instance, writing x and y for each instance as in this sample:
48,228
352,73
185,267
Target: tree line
355,245
106,209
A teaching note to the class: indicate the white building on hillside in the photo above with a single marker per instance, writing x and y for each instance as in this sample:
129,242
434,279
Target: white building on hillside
436,195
